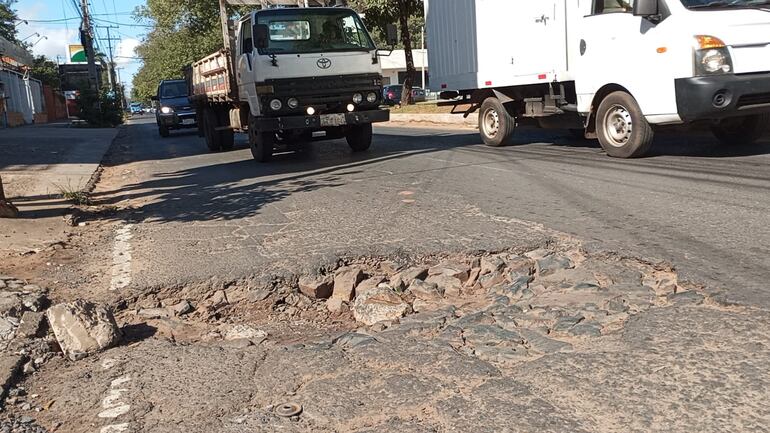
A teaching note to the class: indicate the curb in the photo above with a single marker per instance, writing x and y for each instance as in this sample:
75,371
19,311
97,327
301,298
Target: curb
438,119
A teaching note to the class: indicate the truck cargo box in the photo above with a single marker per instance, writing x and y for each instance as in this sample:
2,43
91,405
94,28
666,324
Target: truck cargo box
475,44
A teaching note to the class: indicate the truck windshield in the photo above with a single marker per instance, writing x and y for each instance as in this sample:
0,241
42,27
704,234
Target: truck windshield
726,4
176,89
314,31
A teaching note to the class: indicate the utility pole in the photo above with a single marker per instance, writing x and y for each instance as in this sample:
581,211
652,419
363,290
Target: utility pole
88,42
112,60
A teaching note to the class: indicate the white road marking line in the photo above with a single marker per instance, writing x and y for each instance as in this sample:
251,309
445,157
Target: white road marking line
114,407
121,258
115,428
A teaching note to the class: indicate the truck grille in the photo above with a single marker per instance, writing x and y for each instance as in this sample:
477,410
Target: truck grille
321,86
747,101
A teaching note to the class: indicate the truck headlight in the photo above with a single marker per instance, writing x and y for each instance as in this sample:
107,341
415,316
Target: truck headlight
292,103
358,98
712,56
276,104
166,110
371,98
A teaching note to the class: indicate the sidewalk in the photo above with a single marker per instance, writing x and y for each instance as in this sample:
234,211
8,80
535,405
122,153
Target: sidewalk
37,163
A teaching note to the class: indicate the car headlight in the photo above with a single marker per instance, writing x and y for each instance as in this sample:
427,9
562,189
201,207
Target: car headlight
712,56
276,104
166,110
371,97
358,98
292,103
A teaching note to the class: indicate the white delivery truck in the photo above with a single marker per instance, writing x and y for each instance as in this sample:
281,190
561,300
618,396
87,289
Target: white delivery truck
608,69
289,74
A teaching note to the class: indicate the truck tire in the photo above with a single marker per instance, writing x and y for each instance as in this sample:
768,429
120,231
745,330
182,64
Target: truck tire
496,125
621,127
163,131
227,136
210,123
741,131
359,137
261,143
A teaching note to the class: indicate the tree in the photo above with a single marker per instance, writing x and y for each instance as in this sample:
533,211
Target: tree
8,20
379,13
184,31
46,71
7,210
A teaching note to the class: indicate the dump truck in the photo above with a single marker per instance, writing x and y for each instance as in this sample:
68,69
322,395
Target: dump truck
615,70
288,75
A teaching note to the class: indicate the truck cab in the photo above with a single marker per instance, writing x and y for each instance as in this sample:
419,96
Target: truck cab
612,69
292,75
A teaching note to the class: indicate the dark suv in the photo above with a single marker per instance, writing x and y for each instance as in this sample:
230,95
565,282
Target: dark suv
174,110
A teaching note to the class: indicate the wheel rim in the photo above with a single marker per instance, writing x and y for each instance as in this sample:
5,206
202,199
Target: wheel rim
491,123
618,125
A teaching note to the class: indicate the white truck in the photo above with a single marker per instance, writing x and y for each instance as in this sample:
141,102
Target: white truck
606,69
288,75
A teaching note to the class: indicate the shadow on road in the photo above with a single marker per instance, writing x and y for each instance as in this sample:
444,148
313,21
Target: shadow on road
229,190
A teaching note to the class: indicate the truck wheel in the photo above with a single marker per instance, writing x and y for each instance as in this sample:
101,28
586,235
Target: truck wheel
260,142
621,127
741,130
360,137
213,137
227,136
495,123
163,131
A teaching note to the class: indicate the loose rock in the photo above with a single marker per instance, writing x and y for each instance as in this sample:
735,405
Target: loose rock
345,281
317,287
425,291
379,305
31,324
491,264
369,284
450,286
83,328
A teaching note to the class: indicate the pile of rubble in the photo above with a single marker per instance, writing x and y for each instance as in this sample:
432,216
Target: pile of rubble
32,333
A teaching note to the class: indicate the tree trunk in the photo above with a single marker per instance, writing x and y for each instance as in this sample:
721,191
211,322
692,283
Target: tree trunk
406,39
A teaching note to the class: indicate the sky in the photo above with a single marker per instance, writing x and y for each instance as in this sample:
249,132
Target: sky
58,20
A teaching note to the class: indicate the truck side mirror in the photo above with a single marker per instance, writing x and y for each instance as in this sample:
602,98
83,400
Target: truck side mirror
646,8
261,36
392,34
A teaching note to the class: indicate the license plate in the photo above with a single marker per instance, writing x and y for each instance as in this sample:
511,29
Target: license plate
188,121
333,120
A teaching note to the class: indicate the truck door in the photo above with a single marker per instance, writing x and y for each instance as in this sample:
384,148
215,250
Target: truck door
542,23
618,48
245,61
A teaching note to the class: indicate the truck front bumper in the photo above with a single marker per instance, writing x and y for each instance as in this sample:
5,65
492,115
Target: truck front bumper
178,120
322,121
722,96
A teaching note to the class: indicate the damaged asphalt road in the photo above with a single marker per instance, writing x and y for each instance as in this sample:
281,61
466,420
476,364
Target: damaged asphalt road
432,286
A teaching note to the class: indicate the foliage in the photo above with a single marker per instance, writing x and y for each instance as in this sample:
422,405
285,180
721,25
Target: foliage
46,71
184,31
407,13
8,19
99,110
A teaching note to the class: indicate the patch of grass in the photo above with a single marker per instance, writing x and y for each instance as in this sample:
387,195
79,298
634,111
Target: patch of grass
78,198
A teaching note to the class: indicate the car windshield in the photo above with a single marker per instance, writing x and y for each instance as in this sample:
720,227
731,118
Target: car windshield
316,31
175,89
726,4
